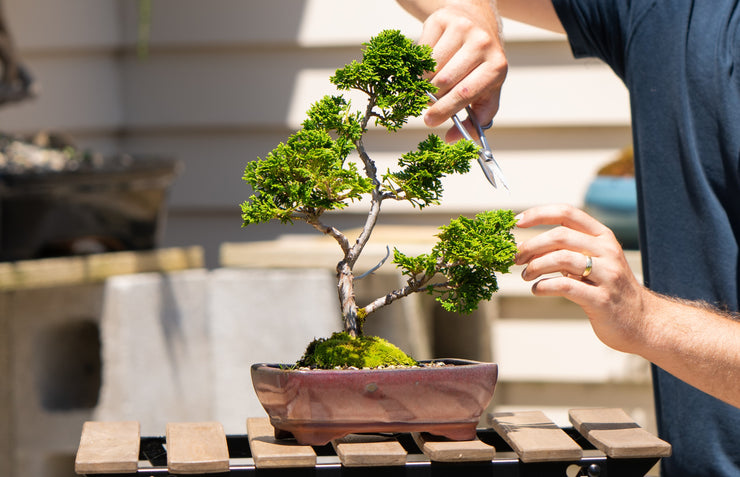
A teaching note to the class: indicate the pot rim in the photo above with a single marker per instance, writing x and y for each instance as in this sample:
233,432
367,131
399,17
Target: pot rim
290,368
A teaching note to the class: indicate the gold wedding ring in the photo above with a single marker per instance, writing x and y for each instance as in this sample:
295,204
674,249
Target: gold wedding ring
589,266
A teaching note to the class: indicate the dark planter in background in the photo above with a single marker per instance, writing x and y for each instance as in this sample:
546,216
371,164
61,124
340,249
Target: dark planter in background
117,205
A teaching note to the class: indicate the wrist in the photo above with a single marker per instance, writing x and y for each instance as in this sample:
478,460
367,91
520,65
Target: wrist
654,316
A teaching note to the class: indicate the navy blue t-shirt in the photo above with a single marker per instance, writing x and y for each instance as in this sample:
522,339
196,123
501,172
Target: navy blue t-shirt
678,59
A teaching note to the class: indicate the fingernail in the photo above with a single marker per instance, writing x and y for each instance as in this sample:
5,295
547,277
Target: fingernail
519,217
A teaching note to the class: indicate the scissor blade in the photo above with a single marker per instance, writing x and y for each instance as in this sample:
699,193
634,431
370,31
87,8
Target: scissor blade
483,159
492,167
486,171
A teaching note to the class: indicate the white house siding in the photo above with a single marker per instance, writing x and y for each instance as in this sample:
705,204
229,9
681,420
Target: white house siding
225,81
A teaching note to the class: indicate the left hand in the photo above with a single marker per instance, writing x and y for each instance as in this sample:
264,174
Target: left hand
611,296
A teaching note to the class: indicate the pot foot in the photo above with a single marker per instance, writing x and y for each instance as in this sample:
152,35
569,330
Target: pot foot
310,437
319,435
467,433
281,434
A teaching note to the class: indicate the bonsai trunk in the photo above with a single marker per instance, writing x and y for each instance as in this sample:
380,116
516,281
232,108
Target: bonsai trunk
346,290
345,277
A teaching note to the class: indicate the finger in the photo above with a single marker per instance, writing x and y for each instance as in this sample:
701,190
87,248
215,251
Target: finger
561,214
579,292
431,31
478,57
486,106
445,51
454,134
474,90
559,238
571,264
431,35
456,61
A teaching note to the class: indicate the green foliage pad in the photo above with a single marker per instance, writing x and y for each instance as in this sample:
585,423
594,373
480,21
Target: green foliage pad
468,254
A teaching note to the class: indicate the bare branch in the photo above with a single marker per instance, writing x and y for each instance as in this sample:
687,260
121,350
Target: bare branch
391,297
415,284
378,265
370,170
367,229
330,231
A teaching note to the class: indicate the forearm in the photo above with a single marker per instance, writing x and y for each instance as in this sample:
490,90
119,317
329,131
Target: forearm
539,13
533,12
421,9
695,343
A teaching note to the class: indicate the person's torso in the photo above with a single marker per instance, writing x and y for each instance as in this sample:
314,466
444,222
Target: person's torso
680,60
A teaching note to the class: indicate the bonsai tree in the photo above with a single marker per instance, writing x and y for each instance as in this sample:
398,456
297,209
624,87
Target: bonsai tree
311,173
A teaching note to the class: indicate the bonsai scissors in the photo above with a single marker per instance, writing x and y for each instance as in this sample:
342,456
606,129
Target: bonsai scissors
490,167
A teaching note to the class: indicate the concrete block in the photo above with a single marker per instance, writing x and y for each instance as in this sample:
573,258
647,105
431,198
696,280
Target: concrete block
54,371
6,411
263,315
154,333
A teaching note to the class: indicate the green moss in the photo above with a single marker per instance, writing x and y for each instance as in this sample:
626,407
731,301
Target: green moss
341,350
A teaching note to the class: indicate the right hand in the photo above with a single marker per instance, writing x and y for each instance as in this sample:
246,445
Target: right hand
471,65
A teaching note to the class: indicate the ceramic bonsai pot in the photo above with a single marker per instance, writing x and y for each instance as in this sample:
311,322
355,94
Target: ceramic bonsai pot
317,406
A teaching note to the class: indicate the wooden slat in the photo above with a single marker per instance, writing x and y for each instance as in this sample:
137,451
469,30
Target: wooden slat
196,447
268,452
534,437
369,451
440,449
615,433
108,448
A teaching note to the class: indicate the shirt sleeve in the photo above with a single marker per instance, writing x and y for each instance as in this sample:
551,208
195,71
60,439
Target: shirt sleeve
597,28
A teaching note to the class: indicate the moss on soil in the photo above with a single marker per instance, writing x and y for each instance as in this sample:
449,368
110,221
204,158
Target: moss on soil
342,350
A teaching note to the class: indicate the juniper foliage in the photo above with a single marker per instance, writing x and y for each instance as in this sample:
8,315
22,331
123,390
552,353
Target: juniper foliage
325,166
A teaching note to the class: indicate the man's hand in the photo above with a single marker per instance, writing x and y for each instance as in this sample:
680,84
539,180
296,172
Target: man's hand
607,290
692,341
471,66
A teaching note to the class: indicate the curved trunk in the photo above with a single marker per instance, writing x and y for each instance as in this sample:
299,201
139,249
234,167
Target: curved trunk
346,291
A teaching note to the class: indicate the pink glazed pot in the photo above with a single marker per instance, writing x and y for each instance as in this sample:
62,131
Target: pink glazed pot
317,406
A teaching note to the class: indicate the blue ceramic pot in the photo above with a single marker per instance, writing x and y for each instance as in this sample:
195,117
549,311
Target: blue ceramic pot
613,201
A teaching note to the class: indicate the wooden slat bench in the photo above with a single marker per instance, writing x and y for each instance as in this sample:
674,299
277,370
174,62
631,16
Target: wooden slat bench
108,447
197,448
615,433
534,437
269,452
517,441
